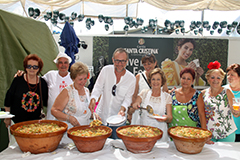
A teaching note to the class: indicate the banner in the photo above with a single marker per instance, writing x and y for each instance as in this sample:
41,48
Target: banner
172,54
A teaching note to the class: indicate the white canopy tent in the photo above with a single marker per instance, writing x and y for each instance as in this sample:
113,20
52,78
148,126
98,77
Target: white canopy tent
187,10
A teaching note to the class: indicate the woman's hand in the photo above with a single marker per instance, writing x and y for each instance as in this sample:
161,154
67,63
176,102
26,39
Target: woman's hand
162,119
136,105
73,121
7,122
209,142
236,113
192,65
199,71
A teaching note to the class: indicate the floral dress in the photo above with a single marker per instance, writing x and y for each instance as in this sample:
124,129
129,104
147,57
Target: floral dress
185,114
218,115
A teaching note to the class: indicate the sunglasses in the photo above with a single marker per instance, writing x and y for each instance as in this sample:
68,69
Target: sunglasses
34,67
114,88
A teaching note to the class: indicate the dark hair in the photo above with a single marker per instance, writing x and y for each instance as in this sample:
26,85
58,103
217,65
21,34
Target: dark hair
120,50
188,70
149,57
33,57
234,67
156,71
182,41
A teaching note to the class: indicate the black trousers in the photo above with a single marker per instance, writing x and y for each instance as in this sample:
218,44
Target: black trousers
237,138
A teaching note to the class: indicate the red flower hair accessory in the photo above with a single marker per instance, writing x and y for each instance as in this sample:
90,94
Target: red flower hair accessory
88,76
214,65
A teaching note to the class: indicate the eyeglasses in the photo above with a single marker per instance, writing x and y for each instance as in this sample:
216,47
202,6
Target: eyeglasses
114,88
34,67
117,61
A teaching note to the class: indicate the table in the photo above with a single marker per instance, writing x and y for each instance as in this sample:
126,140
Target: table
219,150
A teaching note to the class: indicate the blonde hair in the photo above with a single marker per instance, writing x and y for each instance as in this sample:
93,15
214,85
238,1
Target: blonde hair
78,68
207,75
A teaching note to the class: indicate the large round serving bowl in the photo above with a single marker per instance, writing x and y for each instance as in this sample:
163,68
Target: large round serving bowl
38,142
189,145
89,144
139,145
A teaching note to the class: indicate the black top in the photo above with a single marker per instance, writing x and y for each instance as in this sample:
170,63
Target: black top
24,103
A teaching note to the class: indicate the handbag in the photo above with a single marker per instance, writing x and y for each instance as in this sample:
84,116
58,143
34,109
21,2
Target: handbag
42,115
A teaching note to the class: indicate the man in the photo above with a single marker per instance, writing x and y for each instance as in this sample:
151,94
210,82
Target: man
116,86
57,80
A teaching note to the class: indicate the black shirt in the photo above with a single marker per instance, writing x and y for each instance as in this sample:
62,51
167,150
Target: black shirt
25,103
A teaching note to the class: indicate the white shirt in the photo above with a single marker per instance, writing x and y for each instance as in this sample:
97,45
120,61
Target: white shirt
56,84
110,105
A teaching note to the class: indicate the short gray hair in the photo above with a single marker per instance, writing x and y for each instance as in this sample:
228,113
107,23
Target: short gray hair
120,50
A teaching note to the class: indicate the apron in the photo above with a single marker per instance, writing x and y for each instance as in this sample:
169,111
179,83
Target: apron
82,112
180,117
158,108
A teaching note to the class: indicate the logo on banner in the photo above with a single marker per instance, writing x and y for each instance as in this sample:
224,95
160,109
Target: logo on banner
141,41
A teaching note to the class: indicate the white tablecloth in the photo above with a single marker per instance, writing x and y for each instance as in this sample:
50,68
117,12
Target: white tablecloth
219,150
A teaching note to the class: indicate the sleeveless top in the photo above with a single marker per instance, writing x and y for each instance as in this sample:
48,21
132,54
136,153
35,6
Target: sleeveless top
236,119
218,114
77,108
185,114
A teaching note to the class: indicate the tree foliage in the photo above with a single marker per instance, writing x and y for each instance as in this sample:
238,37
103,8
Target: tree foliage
100,48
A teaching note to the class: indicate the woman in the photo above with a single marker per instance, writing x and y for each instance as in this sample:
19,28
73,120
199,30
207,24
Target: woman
187,103
233,76
149,62
184,50
218,106
160,102
71,105
27,93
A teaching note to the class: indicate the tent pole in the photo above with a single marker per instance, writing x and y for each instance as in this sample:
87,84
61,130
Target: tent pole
202,19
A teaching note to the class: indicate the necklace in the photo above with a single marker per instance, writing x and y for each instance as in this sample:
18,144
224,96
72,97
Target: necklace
34,88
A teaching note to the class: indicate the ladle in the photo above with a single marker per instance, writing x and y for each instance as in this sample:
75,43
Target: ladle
148,108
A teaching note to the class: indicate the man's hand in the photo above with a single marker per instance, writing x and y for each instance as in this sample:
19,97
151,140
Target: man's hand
122,111
19,73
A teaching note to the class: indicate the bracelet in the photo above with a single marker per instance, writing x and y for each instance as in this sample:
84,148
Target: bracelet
68,116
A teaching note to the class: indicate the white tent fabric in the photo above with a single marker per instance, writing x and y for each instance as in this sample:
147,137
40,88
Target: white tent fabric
187,10
223,5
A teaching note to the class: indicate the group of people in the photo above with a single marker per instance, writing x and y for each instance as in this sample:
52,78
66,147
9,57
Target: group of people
118,92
